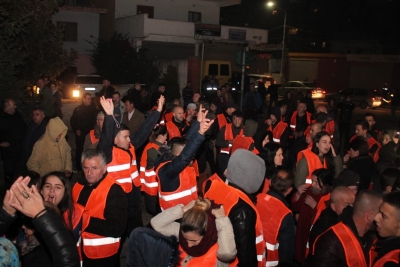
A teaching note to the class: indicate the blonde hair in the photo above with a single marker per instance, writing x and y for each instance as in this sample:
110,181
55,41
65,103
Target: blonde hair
195,220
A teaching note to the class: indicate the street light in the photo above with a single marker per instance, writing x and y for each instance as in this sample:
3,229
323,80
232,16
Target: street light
272,4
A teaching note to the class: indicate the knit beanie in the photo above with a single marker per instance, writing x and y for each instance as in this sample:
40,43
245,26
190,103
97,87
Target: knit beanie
246,170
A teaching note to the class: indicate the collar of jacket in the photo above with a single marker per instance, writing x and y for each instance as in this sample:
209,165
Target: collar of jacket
278,195
85,183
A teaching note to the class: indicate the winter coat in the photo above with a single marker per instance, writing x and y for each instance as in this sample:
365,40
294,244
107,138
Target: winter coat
48,154
165,223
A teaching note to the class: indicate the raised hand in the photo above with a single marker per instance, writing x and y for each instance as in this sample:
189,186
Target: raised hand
107,105
27,200
160,103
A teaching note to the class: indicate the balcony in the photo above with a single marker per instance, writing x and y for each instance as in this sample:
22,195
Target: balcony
140,27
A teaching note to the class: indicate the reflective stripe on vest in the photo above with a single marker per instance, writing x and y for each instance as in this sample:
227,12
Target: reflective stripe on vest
293,121
122,166
148,177
209,259
228,136
228,196
186,192
313,163
95,246
277,131
272,211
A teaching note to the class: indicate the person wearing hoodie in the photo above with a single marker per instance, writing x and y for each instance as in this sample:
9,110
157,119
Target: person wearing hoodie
51,152
244,177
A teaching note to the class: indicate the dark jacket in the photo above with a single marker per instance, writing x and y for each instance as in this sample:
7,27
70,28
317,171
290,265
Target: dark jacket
329,251
12,130
109,131
252,101
365,167
286,233
385,246
107,92
187,94
346,111
83,118
58,239
5,221
169,173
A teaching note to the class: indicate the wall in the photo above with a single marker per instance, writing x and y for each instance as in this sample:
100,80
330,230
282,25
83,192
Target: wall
171,9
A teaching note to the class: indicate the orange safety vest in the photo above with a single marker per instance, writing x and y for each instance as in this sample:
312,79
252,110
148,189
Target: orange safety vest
293,121
148,177
266,185
272,211
186,192
228,196
371,141
228,136
123,168
313,163
207,260
173,130
221,121
277,131
330,128
392,256
95,246
322,205
351,246
168,116
243,142
93,138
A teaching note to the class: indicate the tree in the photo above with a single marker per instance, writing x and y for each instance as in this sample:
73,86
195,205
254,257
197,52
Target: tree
118,60
30,45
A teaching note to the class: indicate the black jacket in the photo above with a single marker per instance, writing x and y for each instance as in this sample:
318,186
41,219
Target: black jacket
243,218
346,111
286,235
169,173
83,118
58,239
329,251
365,167
12,130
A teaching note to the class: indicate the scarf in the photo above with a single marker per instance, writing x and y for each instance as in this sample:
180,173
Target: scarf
208,240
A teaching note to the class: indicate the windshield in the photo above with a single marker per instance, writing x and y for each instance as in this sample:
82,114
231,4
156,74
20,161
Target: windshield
88,80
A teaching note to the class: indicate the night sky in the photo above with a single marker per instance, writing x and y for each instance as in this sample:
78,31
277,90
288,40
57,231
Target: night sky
319,21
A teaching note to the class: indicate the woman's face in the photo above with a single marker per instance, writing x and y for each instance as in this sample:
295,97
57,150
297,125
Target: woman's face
162,138
289,95
278,157
192,238
53,190
315,188
324,144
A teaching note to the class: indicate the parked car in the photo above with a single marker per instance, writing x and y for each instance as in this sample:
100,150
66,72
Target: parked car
84,84
360,96
304,87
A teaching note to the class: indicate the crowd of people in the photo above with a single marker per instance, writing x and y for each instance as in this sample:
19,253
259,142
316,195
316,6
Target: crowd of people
223,187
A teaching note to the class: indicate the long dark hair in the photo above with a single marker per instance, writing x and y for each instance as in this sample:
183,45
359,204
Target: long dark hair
268,154
328,156
65,204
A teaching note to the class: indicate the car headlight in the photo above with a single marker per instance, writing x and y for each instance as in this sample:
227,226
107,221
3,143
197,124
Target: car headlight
75,93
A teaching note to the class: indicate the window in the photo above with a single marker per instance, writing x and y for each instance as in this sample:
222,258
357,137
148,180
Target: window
149,10
69,30
213,69
194,16
224,70
359,91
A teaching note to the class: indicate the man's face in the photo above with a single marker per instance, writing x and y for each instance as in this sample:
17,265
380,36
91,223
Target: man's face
93,170
230,110
53,87
11,106
196,98
252,88
161,89
100,122
87,100
237,121
190,112
116,99
129,106
388,221
219,92
37,116
122,139
353,153
344,201
283,110
370,121
314,130
322,109
178,114
189,84
360,131
40,83
301,108
106,83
